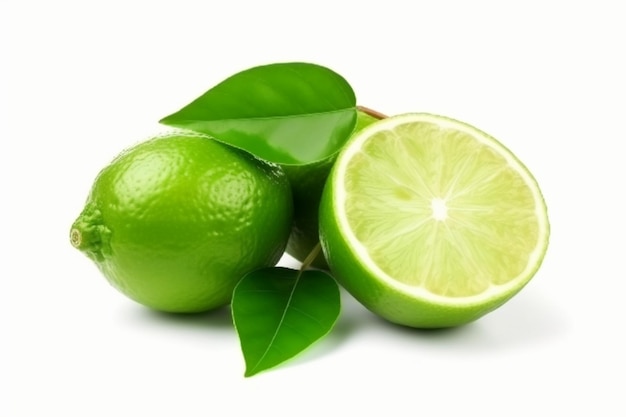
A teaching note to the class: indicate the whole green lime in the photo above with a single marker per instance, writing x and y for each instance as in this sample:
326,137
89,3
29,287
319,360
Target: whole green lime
174,222
307,183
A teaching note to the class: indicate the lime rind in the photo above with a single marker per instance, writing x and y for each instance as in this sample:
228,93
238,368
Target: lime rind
483,296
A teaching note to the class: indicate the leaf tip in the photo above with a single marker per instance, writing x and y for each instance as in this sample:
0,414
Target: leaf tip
165,120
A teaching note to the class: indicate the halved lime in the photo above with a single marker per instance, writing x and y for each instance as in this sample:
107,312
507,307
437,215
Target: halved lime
430,222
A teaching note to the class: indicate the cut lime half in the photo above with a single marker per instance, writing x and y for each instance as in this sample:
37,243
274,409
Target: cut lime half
430,222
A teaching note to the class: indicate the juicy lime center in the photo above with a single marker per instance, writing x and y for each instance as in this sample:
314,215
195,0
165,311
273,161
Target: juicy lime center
440,209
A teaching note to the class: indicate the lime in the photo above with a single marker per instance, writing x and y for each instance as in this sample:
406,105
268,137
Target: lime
174,222
307,183
430,222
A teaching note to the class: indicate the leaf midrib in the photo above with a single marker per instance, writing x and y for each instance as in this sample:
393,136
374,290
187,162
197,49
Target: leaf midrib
307,114
280,323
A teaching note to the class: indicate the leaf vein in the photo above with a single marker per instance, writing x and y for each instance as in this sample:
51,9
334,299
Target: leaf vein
280,323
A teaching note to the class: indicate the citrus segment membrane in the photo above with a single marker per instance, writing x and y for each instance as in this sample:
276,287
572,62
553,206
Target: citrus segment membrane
440,209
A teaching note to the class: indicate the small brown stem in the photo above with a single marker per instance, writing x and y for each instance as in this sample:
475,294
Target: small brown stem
371,112
311,257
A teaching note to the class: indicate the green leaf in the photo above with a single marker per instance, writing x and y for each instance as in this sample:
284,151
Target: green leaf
287,113
279,312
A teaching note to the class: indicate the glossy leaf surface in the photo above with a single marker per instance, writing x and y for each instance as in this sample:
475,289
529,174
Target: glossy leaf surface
287,113
279,312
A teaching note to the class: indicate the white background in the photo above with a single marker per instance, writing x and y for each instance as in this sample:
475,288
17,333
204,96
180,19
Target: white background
81,80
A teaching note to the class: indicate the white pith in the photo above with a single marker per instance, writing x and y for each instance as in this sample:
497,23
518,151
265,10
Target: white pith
439,210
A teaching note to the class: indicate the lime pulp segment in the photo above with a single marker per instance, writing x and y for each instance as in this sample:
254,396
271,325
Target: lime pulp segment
438,208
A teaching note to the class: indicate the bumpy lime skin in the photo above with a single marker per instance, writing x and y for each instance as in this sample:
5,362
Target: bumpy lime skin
383,300
175,227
